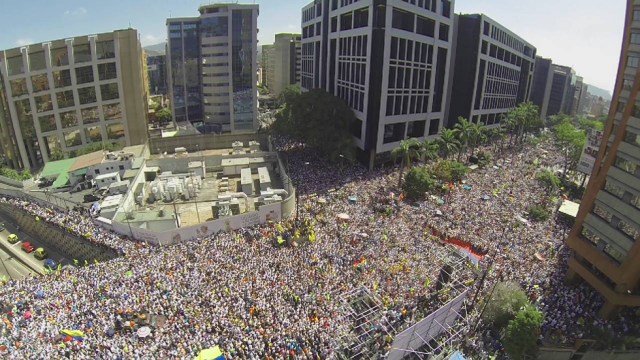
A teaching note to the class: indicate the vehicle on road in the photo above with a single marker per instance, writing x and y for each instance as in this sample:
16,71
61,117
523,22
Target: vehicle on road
12,238
27,247
2,227
90,198
40,254
50,263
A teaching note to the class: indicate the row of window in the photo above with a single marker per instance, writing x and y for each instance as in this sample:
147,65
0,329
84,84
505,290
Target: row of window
407,104
487,119
603,246
629,230
500,53
396,132
622,194
407,21
510,41
409,50
490,102
352,72
62,78
82,53
70,119
353,46
406,78
65,99
352,97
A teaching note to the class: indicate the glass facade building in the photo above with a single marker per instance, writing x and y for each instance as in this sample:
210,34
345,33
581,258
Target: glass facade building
212,62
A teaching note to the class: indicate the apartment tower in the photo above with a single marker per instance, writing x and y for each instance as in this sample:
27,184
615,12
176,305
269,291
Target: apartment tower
606,235
57,97
387,59
284,62
212,68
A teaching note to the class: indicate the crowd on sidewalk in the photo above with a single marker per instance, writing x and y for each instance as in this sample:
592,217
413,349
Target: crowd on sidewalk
258,300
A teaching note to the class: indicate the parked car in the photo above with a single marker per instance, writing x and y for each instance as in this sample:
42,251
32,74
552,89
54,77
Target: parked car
27,247
90,198
2,227
40,254
50,263
12,238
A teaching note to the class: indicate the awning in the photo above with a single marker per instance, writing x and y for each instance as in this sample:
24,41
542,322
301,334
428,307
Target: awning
81,172
61,181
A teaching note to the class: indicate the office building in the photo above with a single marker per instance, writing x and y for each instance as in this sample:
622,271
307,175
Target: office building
57,97
212,69
157,73
493,70
577,96
283,62
267,63
554,88
388,60
606,235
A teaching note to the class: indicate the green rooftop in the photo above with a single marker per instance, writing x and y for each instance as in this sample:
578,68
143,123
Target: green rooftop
55,168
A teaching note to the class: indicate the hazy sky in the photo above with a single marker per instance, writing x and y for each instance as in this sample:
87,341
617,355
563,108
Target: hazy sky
584,34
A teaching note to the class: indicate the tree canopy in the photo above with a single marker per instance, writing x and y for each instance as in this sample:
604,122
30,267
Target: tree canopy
522,333
507,298
418,182
320,120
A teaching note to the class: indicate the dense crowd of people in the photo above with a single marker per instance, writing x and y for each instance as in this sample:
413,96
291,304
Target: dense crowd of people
258,300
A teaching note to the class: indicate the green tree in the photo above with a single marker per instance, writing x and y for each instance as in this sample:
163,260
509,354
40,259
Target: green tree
522,333
571,141
320,120
56,153
449,170
448,142
418,182
464,132
478,135
407,151
522,119
289,94
429,150
549,180
163,115
505,302
539,213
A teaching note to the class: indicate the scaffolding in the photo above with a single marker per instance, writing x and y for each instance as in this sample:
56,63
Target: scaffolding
368,330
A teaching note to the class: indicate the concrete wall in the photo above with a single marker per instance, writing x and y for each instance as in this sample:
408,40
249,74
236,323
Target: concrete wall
194,143
271,212
54,236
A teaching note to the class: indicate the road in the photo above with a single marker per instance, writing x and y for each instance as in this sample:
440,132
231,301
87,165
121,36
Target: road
52,253
10,268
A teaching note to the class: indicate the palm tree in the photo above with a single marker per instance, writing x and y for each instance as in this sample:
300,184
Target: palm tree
448,142
407,151
478,134
429,150
464,129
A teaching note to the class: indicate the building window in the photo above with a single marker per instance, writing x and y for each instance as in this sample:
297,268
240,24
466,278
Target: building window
90,115
107,71
40,83
635,38
105,50
15,66
425,26
47,123
61,78
93,133
444,32
403,20
115,131
69,119
346,21
111,112
72,138
87,95
84,74
43,103
81,53
60,56
65,99
393,133
633,61
434,127
37,61
361,18
109,91
18,87
416,128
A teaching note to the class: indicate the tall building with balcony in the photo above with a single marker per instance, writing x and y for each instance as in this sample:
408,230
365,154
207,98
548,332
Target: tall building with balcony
283,62
493,70
606,235
57,97
387,59
212,68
